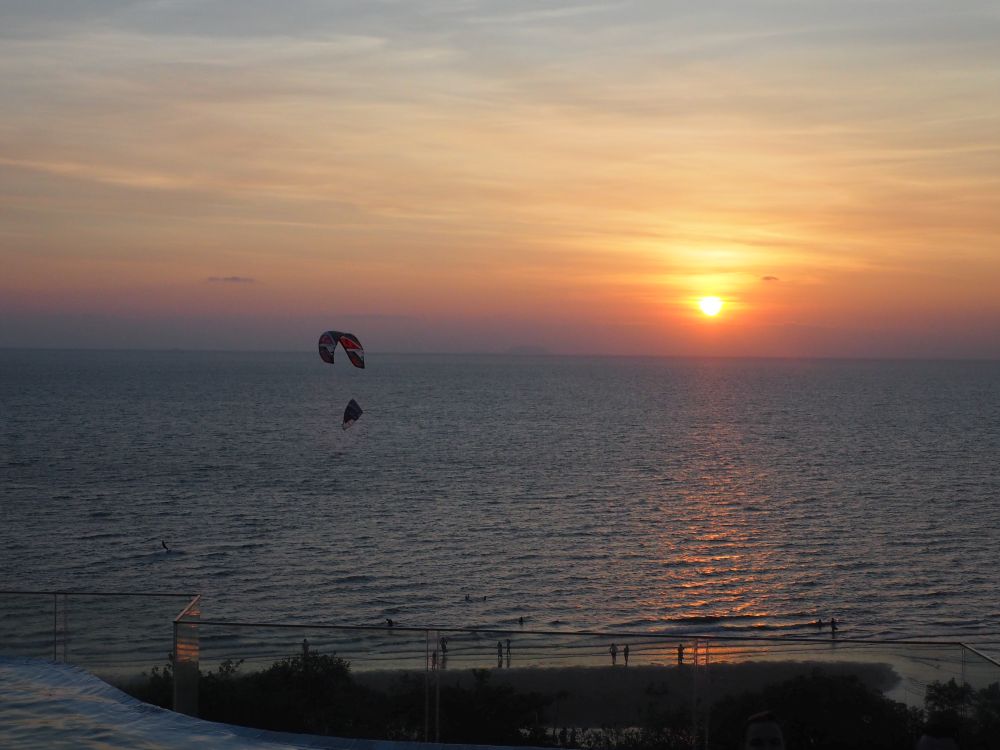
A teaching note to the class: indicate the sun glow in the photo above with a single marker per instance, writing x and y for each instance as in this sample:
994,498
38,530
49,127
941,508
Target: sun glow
710,305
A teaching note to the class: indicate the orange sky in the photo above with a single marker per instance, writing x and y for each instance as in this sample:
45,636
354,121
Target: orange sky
568,175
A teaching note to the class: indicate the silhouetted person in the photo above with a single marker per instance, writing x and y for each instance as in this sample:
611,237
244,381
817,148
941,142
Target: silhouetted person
833,627
508,653
499,654
614,653
520,621
762,731
819,624
625,654
468,598
165,545
388,622
680,654
305,649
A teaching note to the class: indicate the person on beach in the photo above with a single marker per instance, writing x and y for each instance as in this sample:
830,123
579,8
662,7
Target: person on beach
763,731
833,627
614,654
508,653
625,654
499,654
819,624
680,654
520,621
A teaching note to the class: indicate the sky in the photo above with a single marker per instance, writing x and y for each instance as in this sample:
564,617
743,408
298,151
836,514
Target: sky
476,175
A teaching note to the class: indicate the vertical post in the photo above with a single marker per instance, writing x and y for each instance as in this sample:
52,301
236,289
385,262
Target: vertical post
65,628
437,691
694,695
55,625
427,687
708,693
186,659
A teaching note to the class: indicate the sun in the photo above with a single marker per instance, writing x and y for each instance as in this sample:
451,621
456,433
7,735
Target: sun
710,305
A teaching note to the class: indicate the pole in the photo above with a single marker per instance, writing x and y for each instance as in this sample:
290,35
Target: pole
437,698
427,686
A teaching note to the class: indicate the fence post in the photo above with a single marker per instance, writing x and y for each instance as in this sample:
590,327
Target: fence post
65,628
186,659
708,693
427,684
437,688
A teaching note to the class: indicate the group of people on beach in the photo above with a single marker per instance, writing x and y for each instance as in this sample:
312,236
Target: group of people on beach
833,626
613,650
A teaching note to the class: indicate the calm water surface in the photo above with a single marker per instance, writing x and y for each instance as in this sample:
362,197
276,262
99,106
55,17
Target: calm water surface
647,494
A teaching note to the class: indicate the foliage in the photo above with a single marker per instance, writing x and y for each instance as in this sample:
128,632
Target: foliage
821,711
492,714
317,694
973,716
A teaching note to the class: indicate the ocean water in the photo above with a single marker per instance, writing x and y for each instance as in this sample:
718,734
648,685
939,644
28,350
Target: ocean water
654,495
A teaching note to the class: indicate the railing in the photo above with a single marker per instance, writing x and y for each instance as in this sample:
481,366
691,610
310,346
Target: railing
111,633
557,688
600,684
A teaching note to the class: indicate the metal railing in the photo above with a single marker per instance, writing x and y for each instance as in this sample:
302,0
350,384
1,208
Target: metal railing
598,679
593,680
93,629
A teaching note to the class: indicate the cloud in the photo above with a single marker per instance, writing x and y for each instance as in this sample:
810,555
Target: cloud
769,278
230,280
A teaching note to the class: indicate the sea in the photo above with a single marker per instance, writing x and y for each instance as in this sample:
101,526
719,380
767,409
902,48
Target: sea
648,495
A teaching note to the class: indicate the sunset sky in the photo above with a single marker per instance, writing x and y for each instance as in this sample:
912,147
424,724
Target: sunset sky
472,175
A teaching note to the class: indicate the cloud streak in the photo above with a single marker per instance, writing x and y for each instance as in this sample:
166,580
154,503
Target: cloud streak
230,280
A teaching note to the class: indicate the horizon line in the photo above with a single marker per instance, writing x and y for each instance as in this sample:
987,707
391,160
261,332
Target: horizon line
581,355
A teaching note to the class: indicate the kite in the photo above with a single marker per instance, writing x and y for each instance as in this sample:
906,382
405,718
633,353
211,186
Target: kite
328,344
352,413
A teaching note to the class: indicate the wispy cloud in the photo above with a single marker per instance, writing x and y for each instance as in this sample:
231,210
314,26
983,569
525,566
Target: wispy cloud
230,280
769,278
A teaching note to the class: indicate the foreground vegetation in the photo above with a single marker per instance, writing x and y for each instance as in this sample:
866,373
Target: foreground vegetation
317,694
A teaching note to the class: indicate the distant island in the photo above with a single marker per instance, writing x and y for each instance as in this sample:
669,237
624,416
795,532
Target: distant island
527,350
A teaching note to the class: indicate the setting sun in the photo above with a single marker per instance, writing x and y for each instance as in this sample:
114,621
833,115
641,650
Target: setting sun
710,305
